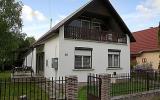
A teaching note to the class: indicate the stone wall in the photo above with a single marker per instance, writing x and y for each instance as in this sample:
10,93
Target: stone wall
148,95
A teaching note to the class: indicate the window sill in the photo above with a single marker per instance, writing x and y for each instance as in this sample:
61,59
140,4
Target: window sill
83,69
118,68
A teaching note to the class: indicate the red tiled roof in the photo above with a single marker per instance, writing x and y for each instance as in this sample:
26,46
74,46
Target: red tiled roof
146,40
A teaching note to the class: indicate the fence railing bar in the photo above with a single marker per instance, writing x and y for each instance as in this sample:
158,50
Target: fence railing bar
34,89
0,88
9,85
30,88
55,89
26,86
49,88
37,92
45,88
59,88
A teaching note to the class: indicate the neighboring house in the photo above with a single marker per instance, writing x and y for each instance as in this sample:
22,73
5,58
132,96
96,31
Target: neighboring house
93,39
146,49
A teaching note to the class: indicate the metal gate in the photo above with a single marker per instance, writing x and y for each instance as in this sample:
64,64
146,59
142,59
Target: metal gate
94,87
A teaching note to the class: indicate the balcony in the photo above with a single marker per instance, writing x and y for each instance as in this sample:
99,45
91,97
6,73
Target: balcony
79,33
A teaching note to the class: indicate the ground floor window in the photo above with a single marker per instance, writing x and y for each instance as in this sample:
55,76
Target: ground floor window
113,58
83,58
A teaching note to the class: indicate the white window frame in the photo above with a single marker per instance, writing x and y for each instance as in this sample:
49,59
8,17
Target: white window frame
83,53
99,26
86,21
110,36
114,53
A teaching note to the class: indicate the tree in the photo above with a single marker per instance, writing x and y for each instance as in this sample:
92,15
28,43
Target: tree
10,29
31,40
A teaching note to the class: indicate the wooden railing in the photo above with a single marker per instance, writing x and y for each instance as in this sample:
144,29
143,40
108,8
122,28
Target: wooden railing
79,33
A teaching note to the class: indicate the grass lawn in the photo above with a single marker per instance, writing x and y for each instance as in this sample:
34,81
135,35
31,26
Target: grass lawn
5,75
117,89
127,88
82,93
11,91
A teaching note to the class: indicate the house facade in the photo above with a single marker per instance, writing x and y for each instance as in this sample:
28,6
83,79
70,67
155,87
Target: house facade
146,48
93,39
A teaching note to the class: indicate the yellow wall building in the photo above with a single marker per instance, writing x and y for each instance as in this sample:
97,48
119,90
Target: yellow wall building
146,48
149,57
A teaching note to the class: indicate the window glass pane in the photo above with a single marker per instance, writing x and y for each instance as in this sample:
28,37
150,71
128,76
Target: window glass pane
116,60
76,23
86,24
110,37
96,26
109,60
86,61
78,61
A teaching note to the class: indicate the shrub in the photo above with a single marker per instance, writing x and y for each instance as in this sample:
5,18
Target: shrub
143,67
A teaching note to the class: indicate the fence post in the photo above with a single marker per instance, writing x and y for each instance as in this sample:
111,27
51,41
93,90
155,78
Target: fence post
105,86
147,81
72,87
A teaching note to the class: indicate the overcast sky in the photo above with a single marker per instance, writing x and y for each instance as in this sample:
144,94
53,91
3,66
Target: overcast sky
36,14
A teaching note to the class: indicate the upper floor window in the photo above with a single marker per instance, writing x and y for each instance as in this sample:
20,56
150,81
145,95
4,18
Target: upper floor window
85,24
110,37
75,23
96,25
83,58
113,58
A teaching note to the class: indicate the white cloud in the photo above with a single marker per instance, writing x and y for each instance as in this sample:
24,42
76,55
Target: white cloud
29,14
142,9
149,8
36,30
145,12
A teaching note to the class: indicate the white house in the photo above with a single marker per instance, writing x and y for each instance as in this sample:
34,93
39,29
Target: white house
93,39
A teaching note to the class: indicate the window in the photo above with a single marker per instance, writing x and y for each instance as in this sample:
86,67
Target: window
83,58
96,25
144,60
109,37
75,23
113,58
85,24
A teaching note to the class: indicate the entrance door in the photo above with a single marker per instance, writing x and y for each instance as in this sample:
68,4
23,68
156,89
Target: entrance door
40,63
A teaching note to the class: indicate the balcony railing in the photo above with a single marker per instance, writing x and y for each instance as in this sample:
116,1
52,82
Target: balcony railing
79,33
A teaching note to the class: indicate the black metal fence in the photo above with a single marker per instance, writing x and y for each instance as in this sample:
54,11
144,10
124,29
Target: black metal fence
33,89
134,82
94,87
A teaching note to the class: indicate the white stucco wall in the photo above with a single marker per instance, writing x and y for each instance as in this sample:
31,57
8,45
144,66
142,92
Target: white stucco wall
51,49
99,57
30,60
34,60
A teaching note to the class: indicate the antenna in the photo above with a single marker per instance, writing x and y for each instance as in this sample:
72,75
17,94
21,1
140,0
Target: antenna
50,12
50,23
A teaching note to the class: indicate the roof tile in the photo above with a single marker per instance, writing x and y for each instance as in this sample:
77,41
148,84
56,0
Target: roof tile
146,40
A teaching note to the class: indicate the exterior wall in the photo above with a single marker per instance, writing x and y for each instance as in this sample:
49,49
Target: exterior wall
152,57
30,60
51,49
99,57
34,60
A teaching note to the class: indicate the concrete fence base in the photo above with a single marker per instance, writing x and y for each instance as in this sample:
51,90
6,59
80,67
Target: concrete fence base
148,95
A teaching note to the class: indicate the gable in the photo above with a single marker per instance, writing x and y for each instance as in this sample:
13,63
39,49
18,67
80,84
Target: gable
102,7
